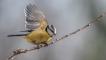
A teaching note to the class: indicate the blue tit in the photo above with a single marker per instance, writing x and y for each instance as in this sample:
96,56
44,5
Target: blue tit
39,31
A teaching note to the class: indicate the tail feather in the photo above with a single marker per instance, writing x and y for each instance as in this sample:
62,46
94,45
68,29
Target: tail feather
16,35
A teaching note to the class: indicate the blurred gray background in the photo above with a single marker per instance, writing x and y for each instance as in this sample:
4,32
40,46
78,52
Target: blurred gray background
66,16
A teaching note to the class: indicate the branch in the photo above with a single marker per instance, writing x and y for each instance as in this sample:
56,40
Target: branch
19,51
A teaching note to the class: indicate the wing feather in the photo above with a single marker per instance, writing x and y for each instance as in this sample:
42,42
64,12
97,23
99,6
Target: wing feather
33,17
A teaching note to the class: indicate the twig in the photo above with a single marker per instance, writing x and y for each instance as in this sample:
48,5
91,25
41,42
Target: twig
19,51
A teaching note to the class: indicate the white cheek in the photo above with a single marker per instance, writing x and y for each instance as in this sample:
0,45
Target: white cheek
50,32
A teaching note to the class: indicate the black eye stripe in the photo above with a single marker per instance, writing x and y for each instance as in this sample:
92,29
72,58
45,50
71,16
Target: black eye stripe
51,30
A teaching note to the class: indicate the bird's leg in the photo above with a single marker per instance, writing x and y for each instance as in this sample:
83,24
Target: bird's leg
42,44
45,43
38,47
27,31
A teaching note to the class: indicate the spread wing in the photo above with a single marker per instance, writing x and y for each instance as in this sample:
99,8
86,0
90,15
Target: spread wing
34,17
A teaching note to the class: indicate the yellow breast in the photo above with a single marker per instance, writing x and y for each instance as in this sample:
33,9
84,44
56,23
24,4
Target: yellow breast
37,36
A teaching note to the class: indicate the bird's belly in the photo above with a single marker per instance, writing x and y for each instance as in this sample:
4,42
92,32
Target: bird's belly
37,37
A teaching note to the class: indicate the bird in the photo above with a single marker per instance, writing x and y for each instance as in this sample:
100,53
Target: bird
39,32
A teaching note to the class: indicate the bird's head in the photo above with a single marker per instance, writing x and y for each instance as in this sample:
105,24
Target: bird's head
51,30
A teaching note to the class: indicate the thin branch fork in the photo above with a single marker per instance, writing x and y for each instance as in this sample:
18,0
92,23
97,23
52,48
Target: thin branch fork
19,51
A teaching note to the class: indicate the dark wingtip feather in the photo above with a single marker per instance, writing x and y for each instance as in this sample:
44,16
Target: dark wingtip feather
8,36
16,35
